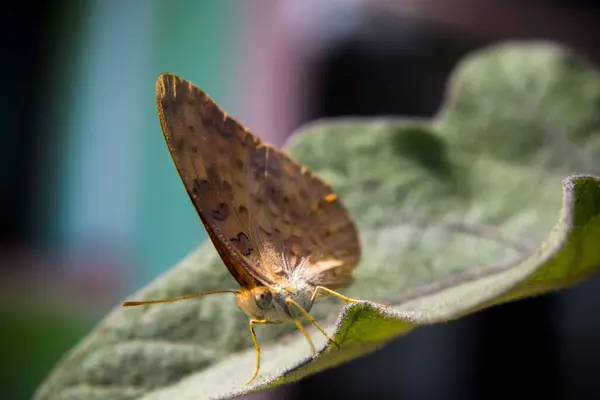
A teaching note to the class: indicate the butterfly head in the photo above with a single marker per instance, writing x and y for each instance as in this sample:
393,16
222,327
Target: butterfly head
265,303
256,302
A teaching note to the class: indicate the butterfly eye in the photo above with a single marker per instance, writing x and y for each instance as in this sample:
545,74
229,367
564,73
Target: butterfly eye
263,298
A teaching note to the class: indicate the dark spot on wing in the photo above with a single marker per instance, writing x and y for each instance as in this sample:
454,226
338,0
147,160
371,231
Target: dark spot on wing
221,212
209,112
258,163
273,191
264,231
223,150
242,243
229,128
200,185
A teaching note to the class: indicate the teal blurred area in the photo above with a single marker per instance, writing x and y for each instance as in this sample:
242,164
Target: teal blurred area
105,211
117,185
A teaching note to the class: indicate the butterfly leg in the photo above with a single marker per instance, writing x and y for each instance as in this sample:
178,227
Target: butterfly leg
290,303
306,335
256,345
332,292
338,295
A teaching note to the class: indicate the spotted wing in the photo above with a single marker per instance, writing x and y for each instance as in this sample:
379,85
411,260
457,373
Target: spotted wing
299,223
268,216
210,150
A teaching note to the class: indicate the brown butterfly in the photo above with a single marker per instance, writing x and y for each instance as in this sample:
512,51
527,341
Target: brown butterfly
280,230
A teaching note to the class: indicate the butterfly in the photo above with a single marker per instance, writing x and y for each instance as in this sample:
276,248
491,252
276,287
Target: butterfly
281,231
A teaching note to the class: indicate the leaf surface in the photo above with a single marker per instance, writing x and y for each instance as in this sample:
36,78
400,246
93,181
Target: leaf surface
495,199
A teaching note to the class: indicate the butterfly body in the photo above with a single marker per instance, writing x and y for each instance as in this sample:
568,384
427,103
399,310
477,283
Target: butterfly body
272,304
282,233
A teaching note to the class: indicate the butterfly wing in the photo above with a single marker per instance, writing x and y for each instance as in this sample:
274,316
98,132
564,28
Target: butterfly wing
210,150
298,220
266,214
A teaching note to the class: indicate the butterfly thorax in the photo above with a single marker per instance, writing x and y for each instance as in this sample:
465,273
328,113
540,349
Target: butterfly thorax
269,303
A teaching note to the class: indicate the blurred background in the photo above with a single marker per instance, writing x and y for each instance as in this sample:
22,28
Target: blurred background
92,209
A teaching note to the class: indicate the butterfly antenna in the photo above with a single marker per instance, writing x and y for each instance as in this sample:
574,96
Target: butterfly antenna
188,296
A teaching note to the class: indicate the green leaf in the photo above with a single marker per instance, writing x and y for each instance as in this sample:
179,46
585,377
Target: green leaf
456,214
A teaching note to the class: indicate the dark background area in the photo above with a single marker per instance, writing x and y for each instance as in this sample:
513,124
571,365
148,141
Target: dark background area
545,347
